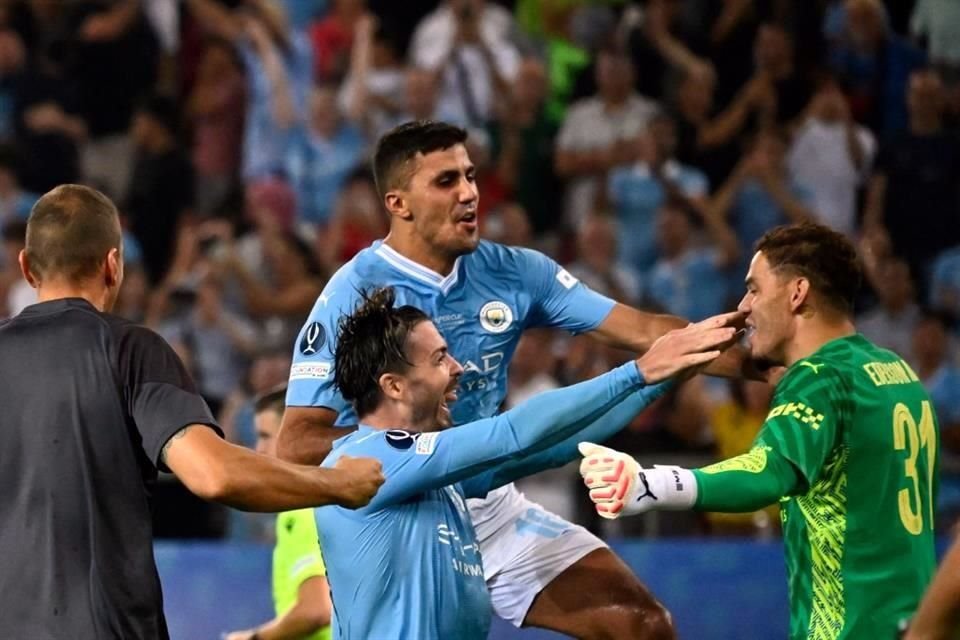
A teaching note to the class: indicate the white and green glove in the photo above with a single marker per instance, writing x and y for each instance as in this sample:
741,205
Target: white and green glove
620,486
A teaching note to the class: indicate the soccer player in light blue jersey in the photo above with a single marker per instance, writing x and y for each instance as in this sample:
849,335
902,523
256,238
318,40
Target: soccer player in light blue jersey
541,570
408,565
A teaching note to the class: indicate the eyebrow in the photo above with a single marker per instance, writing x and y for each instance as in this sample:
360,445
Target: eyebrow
749,281
453,173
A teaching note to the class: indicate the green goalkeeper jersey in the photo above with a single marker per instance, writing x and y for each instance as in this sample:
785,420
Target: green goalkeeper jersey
860,430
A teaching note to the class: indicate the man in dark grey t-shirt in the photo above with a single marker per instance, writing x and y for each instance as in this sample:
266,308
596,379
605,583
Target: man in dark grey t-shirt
91,406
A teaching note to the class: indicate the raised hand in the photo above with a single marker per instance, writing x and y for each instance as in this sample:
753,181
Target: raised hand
690,348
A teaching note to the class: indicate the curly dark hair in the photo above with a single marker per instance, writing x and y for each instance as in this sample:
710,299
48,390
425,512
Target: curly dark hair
820,254
372,341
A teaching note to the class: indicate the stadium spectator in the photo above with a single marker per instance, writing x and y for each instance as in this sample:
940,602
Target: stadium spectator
322,153
944,291
372,94
468,44
598,264
937,22
160,194
599,133
690,280
830,156
15,202
522,137
921,164
874,66
509,224
333,36
761,193
891,323
357,221
126,410
272,53
215,109
12,60
15,292
638,190
111,58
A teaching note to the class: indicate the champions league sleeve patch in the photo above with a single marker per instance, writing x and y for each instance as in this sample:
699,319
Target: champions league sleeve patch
313,339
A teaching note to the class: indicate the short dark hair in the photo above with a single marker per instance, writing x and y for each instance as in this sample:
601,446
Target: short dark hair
272,400
824,256
372,341
70,231
401,144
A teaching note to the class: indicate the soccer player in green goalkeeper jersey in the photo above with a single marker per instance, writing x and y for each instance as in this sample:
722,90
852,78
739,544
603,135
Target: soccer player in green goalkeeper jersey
849,448
301,595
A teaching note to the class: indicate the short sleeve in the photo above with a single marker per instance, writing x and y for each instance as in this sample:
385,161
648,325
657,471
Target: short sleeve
311,382
804,424
560,300
160,395
299,544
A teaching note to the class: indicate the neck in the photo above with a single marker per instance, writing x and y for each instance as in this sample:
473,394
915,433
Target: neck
811,337
414,248
615,102
98,296
391,415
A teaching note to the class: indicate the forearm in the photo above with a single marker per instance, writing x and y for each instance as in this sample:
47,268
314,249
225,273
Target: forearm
745,483
550,417
600,430
939,614
306,440
255,482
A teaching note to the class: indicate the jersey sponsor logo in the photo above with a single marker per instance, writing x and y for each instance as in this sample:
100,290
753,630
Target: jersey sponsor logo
486,368
400,439
426,442
465,560
313,339
803,413
567,279
496,316
311,370
815,367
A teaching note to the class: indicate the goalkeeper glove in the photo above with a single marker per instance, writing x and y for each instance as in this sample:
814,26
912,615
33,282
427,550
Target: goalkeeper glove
620,486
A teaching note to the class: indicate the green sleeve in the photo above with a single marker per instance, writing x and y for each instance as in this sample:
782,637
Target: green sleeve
298,544
804,424
745,483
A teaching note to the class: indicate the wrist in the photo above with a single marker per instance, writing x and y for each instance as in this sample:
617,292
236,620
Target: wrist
664,487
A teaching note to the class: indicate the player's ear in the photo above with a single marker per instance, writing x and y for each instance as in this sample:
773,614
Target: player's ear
396,204
25,269
114,268
799,293
391,385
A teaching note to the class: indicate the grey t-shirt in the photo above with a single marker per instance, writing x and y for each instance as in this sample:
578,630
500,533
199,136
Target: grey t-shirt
87,402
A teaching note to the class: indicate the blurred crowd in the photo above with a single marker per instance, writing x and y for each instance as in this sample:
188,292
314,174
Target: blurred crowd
645,145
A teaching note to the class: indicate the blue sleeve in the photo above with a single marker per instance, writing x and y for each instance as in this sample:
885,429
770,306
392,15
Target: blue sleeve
600,430
559,300
311,372
417,462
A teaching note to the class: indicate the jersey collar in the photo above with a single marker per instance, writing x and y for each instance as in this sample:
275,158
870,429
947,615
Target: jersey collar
418,271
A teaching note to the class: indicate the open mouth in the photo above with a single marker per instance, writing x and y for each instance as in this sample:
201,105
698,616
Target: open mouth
468,221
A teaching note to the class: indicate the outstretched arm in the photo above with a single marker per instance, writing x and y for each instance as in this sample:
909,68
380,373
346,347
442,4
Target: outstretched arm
440,459
601,429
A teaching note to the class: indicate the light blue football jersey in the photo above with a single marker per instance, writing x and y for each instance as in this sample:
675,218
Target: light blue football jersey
481,308
408,564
